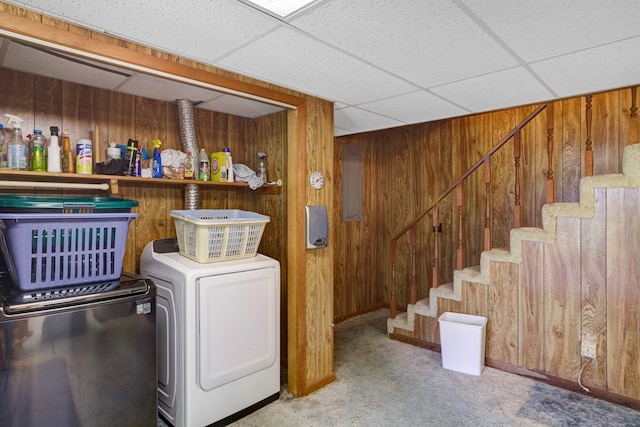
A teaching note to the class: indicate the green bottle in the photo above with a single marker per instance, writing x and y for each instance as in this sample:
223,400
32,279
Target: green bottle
38,157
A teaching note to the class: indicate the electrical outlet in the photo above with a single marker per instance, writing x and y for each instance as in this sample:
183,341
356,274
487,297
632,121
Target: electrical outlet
588,349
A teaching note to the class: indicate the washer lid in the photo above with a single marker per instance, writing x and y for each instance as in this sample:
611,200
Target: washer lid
22,302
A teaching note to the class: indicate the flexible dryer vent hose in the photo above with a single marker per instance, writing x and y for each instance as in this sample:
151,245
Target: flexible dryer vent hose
189,143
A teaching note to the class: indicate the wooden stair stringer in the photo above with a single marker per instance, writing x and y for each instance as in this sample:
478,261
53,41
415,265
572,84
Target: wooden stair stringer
585,208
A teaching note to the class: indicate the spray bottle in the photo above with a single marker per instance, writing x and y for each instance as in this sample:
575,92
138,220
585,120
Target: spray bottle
156,161
17,149
262,167
53,151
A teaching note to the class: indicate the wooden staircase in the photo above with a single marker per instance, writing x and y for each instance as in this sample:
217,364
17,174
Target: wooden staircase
575,279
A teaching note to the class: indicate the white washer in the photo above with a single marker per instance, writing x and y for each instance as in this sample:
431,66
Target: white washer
218,327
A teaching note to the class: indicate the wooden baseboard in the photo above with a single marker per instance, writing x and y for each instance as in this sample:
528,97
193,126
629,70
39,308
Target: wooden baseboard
538,376
339,319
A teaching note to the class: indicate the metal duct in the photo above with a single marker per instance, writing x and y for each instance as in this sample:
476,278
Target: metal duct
189,143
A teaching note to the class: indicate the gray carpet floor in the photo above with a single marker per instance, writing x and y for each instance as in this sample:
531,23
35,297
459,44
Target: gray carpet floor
382,382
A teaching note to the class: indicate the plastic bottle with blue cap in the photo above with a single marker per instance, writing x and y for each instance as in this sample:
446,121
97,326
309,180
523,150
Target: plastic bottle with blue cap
156,161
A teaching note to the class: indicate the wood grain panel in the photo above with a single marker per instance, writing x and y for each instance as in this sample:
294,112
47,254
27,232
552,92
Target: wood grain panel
502,179
445,305
427,329
502,341
606,111
83,108
562,300
623,293
531,307
475,298
18,97
594,293
448,209
568,176
465,153
533,147
48,106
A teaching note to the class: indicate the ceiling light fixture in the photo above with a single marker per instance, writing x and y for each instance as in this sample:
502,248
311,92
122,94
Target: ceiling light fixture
281,8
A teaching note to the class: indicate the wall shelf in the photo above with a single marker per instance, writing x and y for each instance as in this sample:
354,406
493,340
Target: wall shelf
113,181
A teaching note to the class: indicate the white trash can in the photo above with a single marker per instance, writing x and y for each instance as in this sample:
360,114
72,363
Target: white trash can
462,339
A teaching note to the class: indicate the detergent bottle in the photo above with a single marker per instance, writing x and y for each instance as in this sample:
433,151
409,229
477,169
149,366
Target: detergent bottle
189,166
17,150
204,171
229,163
38,156
156,161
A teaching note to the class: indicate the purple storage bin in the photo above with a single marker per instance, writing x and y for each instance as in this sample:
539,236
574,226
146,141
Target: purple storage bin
45,251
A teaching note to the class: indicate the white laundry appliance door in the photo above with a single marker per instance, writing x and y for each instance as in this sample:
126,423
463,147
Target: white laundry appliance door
237,322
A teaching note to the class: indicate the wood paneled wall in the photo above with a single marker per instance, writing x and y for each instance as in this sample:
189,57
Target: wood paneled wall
309,146
44,102
405,168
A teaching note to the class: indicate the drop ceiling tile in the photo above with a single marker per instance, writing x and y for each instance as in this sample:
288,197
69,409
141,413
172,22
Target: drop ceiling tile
198,29
503,89
240,106
341,132
414,107
603,68
426,42
36,61
299,62
166,90
356,120
547,28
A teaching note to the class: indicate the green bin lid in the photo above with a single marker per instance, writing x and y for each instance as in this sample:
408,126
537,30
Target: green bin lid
46,202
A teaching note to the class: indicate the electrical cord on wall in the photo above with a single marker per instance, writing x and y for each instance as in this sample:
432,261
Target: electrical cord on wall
580,377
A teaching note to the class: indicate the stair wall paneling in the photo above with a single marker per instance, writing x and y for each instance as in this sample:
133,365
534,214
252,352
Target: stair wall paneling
531,307
593,261
623,291
562,300
502,313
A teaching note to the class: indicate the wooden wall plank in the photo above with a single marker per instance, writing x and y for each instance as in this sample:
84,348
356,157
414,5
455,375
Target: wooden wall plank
594,293
562,300
502,180
569,174
623,294
531,307
606,118
502,312
475,298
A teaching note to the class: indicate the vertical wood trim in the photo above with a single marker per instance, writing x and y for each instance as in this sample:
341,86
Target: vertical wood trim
436,243
487,206
549,193
517,208
296,134
460,248
633,116
588,154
